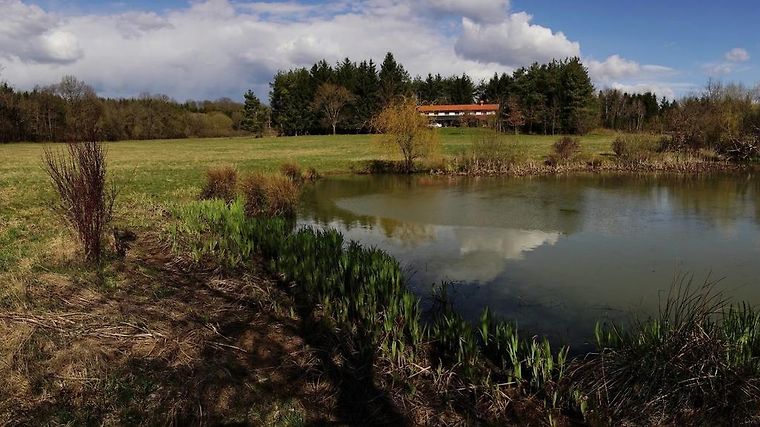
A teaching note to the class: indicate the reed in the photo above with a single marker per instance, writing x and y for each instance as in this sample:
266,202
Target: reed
697,361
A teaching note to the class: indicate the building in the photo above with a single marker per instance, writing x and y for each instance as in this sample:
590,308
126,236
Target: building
449,115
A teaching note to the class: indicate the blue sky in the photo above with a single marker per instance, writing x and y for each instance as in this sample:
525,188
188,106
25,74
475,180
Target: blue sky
214,48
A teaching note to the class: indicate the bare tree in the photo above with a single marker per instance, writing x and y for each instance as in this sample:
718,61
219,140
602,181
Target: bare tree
83,109
331,99
515,116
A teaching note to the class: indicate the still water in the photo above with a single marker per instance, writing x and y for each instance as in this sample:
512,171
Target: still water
555,254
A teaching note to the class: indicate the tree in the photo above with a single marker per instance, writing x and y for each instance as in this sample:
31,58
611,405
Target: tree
515,116
290,99
394,80
255,115
330,99
404,129
83,109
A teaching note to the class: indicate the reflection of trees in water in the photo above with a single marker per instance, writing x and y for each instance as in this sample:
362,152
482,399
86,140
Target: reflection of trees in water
719,199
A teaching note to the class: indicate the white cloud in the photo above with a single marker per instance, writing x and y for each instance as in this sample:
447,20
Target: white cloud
718,69
737,54
30,34
513,42
615,67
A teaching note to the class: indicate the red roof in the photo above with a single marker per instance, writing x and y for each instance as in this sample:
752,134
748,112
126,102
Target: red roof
464,107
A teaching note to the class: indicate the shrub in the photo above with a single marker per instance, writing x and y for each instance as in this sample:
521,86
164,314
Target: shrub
221,183
85,200
566,148
269,195
402,128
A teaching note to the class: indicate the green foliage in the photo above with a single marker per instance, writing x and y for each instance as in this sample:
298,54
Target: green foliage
449,90
222,232
361,290
291,98
557,97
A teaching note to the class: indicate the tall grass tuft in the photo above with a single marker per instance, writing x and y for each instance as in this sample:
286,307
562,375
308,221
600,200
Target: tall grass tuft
221,232
221,183
269,195
85,201
698,361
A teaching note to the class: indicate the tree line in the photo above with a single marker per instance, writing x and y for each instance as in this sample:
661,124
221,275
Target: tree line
71,110
553,98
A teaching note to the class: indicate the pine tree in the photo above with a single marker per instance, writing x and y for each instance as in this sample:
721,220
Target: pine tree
255,115
394,80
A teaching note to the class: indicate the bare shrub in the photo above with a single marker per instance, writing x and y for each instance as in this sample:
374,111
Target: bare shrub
86,201
564,150
221,183
267,195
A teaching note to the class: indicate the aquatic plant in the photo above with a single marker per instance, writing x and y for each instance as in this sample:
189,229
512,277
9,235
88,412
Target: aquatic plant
698,360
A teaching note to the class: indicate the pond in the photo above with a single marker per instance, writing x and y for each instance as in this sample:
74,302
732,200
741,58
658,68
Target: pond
556,254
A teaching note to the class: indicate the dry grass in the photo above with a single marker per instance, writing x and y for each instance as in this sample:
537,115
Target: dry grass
170,344
269,195
221,183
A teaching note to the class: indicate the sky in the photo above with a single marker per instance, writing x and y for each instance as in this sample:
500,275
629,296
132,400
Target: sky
207,49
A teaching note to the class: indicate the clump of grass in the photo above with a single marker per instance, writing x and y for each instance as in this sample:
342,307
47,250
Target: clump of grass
697,362
565,149
221,183
85,201
310,174
269,195
292,171
490,153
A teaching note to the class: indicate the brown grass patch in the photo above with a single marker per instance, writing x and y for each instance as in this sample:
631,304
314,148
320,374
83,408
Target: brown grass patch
221,183
270,195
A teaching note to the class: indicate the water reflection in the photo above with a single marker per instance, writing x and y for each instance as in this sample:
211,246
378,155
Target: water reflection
555,253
